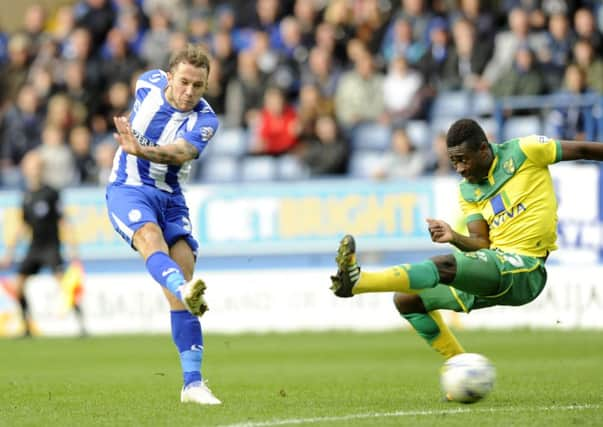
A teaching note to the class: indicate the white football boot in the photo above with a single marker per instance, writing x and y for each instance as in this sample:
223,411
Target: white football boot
192,297
198,392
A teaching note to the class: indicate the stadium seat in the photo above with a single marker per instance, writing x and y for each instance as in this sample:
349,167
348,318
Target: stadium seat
258,168
371,136
219,169
482,104
514,127
441,124
291,168
364,163
228,141
419,133
451,104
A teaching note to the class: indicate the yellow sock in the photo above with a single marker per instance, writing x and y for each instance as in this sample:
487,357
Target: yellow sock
393,279
445,343
406,278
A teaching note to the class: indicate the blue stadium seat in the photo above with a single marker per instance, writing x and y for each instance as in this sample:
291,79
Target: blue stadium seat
419,133
258,168
515,127
219,169
451,104
371,136
291,168
228,141
482,104
364,163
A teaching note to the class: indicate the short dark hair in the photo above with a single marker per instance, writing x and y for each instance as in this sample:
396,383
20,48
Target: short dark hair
466,130
191,54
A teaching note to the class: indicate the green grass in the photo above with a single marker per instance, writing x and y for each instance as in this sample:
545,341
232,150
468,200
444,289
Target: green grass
545,378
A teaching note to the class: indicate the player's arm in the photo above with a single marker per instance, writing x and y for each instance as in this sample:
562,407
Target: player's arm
478,238
581,150
171,154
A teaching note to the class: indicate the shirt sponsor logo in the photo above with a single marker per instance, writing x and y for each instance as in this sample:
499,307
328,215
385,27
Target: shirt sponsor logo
143,140
207,132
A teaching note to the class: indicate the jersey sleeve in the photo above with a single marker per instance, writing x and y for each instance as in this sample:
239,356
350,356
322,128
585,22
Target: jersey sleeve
471,211
202,131
541,150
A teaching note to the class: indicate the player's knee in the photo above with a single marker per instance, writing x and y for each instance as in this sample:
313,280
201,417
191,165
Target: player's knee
446,265
406,303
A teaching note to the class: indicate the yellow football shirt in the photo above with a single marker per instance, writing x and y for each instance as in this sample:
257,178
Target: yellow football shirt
518,199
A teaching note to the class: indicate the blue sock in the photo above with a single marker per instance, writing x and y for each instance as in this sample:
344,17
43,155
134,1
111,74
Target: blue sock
187,335
165,272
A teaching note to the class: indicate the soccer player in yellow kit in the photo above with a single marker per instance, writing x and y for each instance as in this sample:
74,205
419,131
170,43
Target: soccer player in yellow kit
509,203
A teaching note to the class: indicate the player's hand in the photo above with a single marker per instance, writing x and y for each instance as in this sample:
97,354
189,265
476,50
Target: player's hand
440,231
125,136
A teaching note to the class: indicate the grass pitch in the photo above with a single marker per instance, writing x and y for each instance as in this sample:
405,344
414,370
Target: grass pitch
545,378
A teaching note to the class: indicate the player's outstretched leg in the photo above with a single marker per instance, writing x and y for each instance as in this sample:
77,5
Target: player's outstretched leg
406,278
192,296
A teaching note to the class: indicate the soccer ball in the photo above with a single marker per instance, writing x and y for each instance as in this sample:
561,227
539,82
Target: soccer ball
467,377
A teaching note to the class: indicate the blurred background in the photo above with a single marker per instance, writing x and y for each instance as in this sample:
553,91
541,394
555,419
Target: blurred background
333,120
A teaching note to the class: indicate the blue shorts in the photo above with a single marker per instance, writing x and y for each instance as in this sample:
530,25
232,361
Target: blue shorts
130,207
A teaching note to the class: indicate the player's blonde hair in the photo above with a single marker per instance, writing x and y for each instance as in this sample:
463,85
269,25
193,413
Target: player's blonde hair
192,54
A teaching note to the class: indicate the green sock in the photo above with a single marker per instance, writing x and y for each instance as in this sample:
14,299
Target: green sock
431,327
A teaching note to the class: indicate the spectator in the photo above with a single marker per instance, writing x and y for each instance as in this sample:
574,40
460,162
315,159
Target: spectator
154,48
359,94
402,94
13,74
586,29
97,17
400,42
322,72
306,13
557,52
277,127
59,164
592,65
80,142
479,17
327,152
570,121
311,105
506,44
21,129
244,93
119,62
403,160
433,62
524,78
467,60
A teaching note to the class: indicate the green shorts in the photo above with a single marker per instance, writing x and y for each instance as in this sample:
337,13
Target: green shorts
518,279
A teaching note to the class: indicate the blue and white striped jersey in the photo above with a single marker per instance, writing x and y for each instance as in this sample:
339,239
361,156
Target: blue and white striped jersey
155,122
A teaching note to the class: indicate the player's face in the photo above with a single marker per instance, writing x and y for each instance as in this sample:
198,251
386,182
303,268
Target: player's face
473,165
186,86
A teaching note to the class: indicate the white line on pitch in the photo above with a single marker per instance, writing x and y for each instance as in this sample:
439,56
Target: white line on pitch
313,420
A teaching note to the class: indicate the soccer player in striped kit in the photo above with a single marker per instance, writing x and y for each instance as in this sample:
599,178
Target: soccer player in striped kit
169,126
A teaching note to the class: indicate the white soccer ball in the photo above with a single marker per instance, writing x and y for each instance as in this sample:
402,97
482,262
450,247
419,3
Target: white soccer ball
467,377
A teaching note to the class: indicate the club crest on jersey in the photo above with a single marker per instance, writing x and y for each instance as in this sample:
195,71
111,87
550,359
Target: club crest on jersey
134,215
509,166
207,132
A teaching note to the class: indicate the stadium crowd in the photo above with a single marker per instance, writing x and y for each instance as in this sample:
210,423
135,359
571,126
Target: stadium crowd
304,88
